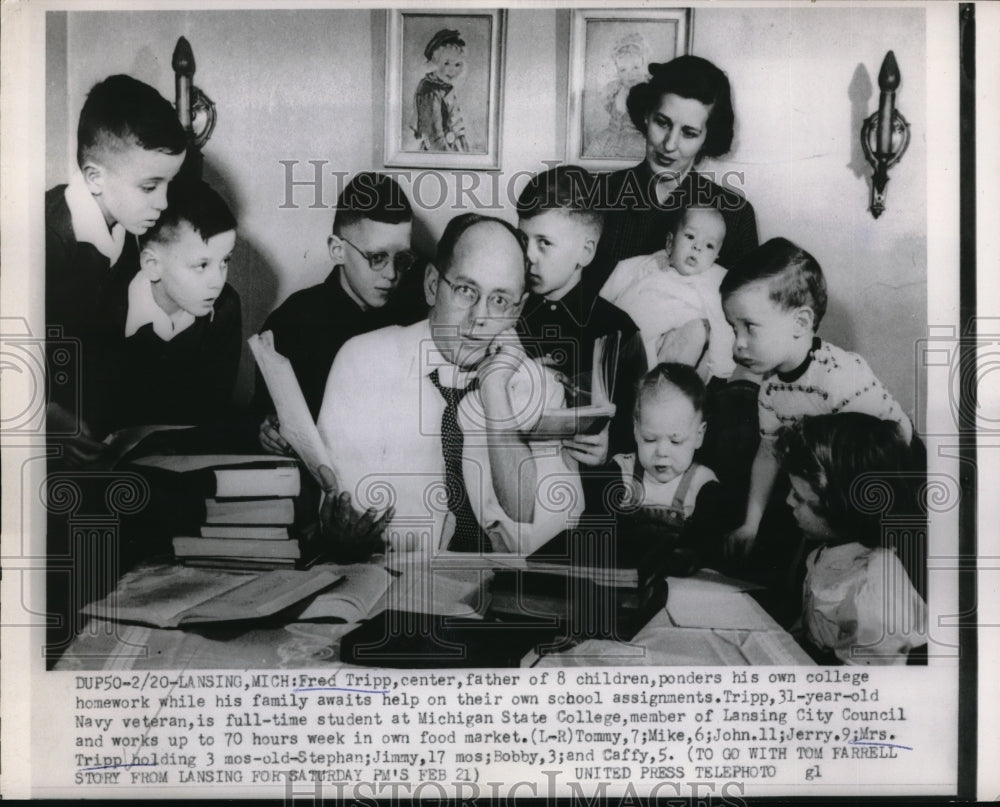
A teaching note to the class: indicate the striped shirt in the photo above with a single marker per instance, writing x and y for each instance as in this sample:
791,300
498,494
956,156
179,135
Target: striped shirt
829,381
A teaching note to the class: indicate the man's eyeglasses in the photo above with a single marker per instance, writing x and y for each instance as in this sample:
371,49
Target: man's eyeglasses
378,261
497,305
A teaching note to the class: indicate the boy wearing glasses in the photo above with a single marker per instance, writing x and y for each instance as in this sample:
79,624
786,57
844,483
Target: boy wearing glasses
423,423
370,249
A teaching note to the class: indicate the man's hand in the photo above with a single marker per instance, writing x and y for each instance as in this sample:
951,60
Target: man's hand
740,541
588,449
79,450
270,437
353,537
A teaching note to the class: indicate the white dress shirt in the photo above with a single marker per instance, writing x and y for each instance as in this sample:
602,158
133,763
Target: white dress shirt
88,221
381,423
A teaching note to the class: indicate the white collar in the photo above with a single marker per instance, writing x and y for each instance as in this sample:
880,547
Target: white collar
144,310
88,221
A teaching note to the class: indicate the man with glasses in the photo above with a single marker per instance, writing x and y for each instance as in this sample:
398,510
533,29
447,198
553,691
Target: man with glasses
370,249
423,423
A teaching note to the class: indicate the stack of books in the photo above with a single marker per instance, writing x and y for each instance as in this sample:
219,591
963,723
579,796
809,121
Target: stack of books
234,511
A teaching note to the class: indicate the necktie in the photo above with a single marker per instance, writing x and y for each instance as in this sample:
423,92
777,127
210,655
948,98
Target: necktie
468,536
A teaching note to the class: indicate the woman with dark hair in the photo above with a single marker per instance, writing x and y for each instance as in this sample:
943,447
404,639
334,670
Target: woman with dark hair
685,113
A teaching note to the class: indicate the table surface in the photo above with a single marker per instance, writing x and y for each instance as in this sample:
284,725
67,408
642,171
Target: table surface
708,620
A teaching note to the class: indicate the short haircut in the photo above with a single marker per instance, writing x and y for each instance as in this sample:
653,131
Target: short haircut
688,77
370,195
679,221
122,112
671,376
195,203
567,188
793,276
456,229
858,466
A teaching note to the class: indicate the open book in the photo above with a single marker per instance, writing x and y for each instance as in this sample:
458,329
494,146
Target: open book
170,596
297,425
592,412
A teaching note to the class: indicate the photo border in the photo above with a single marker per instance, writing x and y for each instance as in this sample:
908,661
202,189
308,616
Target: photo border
394,156
578,62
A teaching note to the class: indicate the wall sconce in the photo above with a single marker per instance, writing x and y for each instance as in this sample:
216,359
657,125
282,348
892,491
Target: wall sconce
886,134
194,109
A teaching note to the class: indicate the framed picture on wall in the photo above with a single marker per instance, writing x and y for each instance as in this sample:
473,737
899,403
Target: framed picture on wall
444,88
609,53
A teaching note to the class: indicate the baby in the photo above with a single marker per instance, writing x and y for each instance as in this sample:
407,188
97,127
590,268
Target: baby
673,296
440,126
669,496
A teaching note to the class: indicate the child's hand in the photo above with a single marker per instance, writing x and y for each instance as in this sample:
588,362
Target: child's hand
503,359
353,537
740,541
588,449
270,437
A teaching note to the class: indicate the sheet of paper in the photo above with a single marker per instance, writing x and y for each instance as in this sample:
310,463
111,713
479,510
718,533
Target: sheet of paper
297,425
717,609
447,593
182,463
710,581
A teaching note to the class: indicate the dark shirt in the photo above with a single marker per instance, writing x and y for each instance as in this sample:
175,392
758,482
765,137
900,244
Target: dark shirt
187,380
78,280
565,329
309,329
635,223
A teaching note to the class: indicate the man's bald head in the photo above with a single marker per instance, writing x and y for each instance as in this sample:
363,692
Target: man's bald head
471,236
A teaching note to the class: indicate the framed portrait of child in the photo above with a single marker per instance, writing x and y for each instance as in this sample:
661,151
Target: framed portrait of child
444,84
610,50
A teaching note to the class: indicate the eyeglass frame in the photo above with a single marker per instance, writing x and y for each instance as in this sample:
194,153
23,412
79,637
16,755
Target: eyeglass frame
370,257
469,304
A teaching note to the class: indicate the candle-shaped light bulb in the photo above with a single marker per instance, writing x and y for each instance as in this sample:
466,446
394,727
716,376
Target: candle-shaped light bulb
183,64
183,59
888,76
888,83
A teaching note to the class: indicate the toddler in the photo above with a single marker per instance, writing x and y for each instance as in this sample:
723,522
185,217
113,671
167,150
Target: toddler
667,493
774,299
673,296
858,601
440,126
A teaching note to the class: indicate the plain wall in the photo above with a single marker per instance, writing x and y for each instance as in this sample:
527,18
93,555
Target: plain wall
305,86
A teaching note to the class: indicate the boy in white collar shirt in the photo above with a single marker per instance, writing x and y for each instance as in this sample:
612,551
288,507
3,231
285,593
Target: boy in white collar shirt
129,146
173,336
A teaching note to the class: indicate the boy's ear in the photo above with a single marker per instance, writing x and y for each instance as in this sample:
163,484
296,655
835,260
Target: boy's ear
587,250
93,177
149,263
804,318
336,248
431,280
669,243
